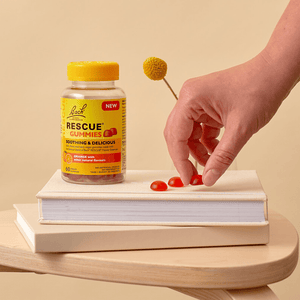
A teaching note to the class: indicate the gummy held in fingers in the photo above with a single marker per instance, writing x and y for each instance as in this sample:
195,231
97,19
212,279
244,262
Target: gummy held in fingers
196,180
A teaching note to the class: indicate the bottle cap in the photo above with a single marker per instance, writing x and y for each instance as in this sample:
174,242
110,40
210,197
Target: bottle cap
93,71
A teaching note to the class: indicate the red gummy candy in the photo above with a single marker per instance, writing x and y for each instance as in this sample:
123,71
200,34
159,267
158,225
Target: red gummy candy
73,177
196,180
175,182
95,178
158,185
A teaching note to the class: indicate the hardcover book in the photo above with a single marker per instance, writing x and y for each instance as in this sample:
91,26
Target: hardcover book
81,238
236,199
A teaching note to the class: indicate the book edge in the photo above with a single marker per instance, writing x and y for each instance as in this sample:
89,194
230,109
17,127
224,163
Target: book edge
168,224
26,238
262,231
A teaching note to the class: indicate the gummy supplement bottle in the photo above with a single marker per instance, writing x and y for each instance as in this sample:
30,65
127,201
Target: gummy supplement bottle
93,125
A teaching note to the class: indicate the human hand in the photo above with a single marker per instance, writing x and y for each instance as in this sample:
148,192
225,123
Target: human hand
243,99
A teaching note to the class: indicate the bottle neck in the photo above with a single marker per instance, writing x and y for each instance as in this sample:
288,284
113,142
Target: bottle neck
93,84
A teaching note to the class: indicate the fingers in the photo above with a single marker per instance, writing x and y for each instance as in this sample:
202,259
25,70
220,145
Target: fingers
197,149
178,130
225,152
184,137
209,137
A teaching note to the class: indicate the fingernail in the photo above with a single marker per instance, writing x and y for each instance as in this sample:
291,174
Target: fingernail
211,177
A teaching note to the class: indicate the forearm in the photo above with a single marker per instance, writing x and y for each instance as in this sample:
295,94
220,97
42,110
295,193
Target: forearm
283,49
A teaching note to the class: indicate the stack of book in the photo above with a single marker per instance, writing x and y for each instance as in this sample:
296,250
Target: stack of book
129,215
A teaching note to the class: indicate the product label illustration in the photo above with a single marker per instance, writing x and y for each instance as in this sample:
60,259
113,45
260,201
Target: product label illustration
93,134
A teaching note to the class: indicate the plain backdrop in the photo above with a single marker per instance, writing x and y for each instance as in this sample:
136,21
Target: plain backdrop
195,37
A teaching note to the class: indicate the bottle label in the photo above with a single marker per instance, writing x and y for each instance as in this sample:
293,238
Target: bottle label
93,136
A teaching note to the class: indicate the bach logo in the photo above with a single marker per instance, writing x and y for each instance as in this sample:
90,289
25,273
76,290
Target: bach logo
77,113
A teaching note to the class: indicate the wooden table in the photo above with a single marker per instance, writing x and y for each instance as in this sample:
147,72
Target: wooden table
241,272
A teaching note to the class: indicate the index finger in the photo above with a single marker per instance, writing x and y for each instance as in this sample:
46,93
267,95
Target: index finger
177,132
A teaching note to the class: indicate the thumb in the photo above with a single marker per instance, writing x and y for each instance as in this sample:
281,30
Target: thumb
223,155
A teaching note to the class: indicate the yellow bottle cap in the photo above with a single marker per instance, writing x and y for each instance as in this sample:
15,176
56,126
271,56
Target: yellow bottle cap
93,71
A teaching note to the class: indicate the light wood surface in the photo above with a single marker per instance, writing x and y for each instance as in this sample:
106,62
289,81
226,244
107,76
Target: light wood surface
262,293
239,267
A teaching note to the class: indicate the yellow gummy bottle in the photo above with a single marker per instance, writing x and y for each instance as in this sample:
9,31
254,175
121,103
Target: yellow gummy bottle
93,125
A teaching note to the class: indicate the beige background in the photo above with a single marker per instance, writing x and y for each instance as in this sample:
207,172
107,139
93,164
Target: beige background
195,37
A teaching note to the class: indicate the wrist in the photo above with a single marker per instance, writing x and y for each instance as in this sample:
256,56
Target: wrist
282,69
283,49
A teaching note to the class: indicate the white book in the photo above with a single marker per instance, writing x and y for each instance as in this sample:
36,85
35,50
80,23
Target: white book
81,238
236,199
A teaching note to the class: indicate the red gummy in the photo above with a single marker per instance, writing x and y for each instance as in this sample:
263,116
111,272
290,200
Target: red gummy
196,180
95,178
73,177
107,133
175,182
158,185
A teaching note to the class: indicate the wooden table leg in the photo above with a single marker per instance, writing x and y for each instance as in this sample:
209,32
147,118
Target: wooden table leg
262,293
